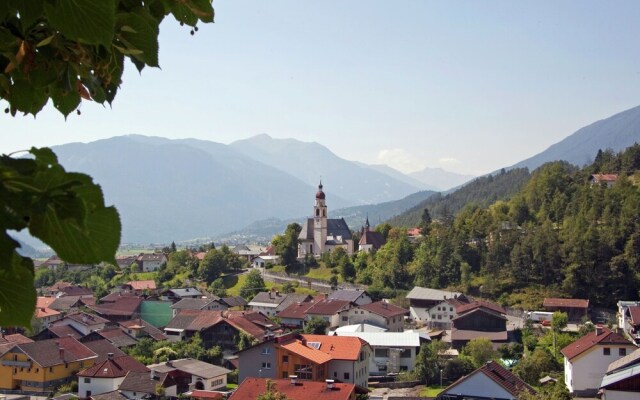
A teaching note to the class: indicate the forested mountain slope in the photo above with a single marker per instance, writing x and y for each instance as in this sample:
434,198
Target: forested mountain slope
482,192
560,235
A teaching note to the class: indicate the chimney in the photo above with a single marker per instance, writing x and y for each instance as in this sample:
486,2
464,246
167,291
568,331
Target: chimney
329,383
153,375
599,329
294,379
304,341
110,356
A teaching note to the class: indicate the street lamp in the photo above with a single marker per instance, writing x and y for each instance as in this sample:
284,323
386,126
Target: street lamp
260,373
440,378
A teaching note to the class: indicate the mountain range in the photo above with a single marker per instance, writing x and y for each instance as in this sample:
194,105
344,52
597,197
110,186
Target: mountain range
185,189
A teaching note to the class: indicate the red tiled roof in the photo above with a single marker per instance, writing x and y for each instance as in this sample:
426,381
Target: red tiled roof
338,347
197,320
605,177
116,367
463,308
43,312
309,353
251,388
14,338
503,377
592,339
116,296
384,309
634,311
205,394
102,348
123,306
328,307
146,327
87,319
44,301
142,285
64,331
413,232
296,310
573,303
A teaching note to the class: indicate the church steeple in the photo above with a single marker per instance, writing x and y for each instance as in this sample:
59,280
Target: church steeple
319,222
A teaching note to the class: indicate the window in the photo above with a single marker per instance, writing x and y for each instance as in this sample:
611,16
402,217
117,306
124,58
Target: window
346,375
381,352
285,359
345,318
622,352
87,380
433,316
50,369
303,371
266,365
266,350
606,351
405,353
451,309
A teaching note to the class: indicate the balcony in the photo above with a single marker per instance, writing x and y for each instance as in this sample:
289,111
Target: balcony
21,364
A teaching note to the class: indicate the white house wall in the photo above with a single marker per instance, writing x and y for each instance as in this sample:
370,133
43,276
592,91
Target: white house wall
97,385
479,385
588,369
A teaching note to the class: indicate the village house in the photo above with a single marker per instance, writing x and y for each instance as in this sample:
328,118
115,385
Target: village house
321,234
309,358
380,313
294,316
631,322
219,328
586,360
295,389
393,352
357,297
603,179
190,374
140,288
44,365
150,262
328,310
491,381
82,322
118,306
177,294
144,385
107,375
214,303
576,309
479,319
139,328
272,302
265,261
370,240
442,314
622,380
113,334
421,300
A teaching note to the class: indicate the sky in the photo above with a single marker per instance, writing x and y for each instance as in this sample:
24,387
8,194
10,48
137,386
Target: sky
468,86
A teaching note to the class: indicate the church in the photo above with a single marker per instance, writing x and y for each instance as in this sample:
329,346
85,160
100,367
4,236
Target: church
321,234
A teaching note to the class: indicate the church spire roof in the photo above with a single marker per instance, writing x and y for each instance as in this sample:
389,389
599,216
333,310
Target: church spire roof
320,193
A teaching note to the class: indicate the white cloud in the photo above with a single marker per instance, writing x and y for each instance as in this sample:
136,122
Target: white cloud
448,161
401,160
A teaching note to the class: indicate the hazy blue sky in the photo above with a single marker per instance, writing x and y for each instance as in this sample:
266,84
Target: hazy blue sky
470,86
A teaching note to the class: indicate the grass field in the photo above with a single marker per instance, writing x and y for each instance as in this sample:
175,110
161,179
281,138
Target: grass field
430,391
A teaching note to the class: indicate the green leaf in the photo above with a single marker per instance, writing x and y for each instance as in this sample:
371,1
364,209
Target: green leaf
65,101
141,35
30,11
17,293
190,11
86,21
27,98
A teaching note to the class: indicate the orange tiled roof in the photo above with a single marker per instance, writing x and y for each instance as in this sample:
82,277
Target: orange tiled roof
309,353
592,339
556,302
142,285
251,388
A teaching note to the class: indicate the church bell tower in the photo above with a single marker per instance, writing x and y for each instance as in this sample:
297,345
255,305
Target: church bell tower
319,222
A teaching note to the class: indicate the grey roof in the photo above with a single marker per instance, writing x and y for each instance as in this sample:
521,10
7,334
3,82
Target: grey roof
387,339
346,294
193,304
335,227
192,367
235,301
113,395
65,303
142,382
264,299
626,361
420,293
620,375
186,292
